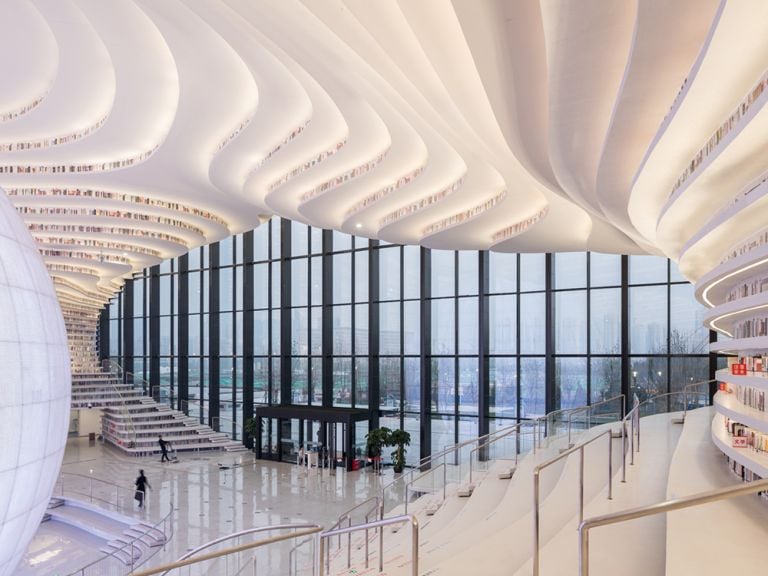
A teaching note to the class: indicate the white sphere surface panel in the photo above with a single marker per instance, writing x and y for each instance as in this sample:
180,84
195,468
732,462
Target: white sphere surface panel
34,387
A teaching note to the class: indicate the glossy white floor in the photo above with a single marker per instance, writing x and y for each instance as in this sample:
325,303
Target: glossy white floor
208,501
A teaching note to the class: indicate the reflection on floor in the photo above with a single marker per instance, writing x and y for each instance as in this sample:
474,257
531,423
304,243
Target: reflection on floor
208,500
59,549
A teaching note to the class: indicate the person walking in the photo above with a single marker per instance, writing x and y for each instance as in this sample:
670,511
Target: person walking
163,449
141,488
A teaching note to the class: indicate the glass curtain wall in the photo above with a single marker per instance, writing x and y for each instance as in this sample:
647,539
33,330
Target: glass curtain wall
445,344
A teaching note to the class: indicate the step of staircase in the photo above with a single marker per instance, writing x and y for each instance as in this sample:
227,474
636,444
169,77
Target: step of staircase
132,422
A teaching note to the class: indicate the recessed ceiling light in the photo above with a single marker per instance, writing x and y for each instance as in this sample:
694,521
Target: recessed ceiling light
358,225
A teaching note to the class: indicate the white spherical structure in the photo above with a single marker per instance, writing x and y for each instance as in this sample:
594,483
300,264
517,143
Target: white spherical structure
34,387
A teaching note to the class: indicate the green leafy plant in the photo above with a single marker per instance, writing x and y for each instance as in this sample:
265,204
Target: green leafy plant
376,439
251,427
399,439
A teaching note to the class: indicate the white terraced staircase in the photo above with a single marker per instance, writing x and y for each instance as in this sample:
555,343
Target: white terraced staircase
132,421
491,532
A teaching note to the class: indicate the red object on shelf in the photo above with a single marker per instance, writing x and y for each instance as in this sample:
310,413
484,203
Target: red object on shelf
740,441
739,369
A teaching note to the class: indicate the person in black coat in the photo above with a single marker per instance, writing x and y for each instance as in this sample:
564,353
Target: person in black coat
163,449
141,488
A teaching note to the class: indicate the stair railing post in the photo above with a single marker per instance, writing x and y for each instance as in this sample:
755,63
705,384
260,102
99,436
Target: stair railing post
610,466
581,483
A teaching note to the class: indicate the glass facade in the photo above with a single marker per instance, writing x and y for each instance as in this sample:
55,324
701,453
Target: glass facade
445,344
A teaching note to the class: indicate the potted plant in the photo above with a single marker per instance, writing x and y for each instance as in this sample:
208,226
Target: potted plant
376,439
251,428
399,439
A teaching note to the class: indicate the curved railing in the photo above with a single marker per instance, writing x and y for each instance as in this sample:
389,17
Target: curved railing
173,567
258,530
136,551
659,508
103,493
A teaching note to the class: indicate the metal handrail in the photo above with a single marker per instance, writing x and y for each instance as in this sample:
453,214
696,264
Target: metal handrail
493,441
246,532
455,448
588,409
227,551
377,507
132,545
118,489
411,519
536,487
685,393
634,417
420,476
661,507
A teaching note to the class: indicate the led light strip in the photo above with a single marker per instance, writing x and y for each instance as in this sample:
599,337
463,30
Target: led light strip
76,168
355,172
420,205
464,216
117,196
382,192
322,156
112,230
705,293
54,141
98,213
519,227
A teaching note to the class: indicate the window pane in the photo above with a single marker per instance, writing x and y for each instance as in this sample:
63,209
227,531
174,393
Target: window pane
468,325
647,269
361,329
261,243
443,384
532,272
606,379
571,322
648,320
468,380
361,276
502,329
299,332
605,321
299,279
648,377
225,289
570,270
361,382
412,327
260,285
570,382
341,241
317,280
342,382
412,271
389,273
342,278
299,380
443,326
389,328
468,272
226,343
443,267
316,334
688,370
687,332
502,272
260,332
226,251
342,330
299,237
532,323
502,378
389,383
532,387
604,269
412,383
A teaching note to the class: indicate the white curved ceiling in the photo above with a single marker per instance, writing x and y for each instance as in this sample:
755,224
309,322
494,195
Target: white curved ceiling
133,130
